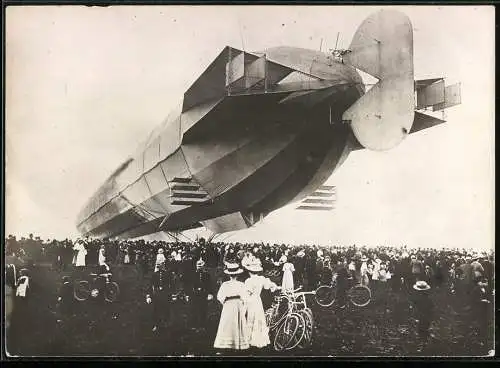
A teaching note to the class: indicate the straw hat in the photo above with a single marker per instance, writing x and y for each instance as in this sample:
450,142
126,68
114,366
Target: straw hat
160,250
421,285
232,269
254,265
364,258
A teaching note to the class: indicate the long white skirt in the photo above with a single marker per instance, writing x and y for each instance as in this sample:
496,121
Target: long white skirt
257,330
287,283
231,333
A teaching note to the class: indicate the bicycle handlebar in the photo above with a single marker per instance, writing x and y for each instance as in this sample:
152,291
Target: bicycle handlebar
307,292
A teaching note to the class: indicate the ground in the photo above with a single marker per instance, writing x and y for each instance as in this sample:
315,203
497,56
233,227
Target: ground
386,327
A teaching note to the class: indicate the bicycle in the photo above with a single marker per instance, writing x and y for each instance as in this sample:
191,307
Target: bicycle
299,305
288,327
358,294
293,327
85,289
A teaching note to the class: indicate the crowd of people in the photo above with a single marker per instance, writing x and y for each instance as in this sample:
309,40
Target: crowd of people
235,275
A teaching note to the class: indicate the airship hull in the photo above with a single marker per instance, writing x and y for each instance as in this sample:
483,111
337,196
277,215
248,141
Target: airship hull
257,131
251,154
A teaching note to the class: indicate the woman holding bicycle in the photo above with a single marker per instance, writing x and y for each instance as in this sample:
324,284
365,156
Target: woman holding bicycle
257,329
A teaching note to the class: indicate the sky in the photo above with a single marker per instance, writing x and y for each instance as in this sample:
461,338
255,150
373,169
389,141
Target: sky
85,85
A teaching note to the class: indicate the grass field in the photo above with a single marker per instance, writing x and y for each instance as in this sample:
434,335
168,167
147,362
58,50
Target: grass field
385,327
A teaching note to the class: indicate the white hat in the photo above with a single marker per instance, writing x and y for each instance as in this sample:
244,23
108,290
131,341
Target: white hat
421,285
160,250
232,269
254,265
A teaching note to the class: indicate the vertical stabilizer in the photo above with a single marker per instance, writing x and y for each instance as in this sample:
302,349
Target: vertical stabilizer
383,47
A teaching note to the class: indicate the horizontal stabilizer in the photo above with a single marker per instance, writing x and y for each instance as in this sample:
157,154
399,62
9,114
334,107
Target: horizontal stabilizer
187,201
322,194
320,200
181,180
315,208
327,187
423,121
186,192
188,186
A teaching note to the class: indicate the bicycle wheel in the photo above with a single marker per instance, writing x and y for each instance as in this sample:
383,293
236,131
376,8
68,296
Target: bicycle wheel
298,337
360,295
310,314
111,291
82,290
287,332
308,329
325,296
280,312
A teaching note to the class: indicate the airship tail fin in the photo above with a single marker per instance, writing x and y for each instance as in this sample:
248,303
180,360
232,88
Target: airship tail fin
383,47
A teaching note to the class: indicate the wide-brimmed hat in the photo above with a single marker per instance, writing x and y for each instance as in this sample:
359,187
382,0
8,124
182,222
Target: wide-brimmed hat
232,269
421,285
160,250
364,258
254,265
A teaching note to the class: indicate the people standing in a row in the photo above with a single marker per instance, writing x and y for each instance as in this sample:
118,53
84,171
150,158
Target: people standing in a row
242,323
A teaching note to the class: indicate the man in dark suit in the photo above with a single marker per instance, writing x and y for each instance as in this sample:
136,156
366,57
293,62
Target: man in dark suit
162,297
202,293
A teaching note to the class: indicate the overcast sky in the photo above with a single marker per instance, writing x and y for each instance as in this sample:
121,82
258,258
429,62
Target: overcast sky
85,85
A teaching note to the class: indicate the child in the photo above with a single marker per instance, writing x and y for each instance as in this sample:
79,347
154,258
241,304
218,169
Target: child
424,309
231,333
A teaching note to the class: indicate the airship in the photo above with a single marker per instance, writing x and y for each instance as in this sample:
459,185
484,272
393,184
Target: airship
259,130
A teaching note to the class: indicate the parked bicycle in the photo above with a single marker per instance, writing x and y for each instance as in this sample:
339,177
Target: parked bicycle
99,283
290,320
358,294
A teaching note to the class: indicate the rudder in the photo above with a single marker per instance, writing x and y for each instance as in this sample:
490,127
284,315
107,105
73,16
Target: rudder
383,47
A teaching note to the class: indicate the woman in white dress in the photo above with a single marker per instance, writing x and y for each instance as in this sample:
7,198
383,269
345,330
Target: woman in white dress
231,333
364,271
126,257
102,255
81,253
288,270
160,259
257,330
